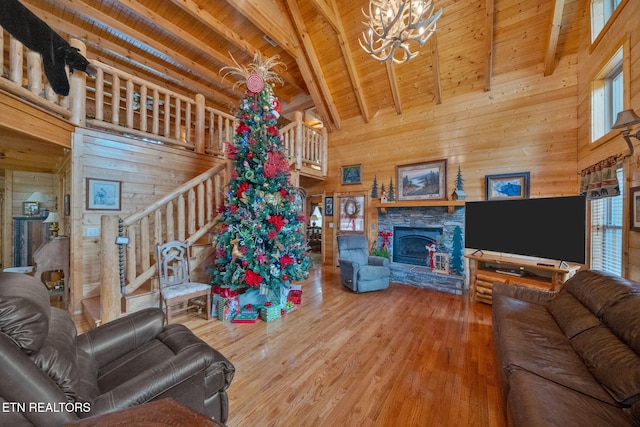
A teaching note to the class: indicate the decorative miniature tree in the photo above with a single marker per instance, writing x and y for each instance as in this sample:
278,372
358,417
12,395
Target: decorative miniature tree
374,188
458,191
457,263
261,240
392,196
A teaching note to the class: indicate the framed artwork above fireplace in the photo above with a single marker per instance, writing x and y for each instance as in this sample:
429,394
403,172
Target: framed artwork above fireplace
422,181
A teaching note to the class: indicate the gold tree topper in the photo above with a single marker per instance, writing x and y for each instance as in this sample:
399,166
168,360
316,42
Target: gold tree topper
259,67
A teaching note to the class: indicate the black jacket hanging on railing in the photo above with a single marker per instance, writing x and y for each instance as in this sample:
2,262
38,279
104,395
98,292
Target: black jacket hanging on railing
36,35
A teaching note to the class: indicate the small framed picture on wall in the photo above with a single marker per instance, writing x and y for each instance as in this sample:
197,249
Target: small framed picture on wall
351,174
328,206
507,186
635,208
103,194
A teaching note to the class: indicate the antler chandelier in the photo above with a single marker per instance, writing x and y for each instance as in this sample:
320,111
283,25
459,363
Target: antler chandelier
393,24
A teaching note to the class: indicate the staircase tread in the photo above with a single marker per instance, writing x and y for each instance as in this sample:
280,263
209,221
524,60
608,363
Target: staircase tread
91,310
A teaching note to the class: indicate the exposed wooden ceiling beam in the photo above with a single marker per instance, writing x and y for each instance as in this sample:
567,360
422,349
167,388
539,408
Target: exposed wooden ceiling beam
343,40
136,62
554,34
435,64
328,13
279,30
302,32
190,7
393,83
488,46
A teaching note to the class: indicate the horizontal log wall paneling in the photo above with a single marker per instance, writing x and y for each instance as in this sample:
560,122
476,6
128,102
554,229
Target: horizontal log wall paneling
526,123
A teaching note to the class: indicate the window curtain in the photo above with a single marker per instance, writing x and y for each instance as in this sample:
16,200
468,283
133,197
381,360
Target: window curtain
600,180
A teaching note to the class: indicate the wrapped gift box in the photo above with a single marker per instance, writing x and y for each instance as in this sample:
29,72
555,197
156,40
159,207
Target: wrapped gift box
295,294
288,307
270,312
247,315
228,307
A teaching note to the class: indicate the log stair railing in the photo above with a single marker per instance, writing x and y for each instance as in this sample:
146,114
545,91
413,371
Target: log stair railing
187,214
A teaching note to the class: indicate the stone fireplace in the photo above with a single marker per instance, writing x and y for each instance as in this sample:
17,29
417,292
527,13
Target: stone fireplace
413,228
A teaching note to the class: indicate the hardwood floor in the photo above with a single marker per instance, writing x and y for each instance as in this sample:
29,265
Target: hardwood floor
404,356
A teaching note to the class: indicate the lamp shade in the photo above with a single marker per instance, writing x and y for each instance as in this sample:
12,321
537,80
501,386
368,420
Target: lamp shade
53,217
626,118
36,197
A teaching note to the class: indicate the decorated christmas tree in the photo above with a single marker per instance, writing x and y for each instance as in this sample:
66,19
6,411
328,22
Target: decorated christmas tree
260,239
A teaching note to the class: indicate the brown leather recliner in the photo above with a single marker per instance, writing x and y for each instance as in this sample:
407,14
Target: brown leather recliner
51,376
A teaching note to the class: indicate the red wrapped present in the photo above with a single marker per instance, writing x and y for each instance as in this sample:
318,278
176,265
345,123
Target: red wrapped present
295,294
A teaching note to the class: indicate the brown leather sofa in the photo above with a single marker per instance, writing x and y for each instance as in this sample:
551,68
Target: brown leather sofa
569,358
50,376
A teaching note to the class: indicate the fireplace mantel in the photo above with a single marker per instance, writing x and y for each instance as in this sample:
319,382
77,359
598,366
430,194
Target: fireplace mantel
450,204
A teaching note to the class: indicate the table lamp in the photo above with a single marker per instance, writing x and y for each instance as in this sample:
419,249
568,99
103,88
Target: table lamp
53,219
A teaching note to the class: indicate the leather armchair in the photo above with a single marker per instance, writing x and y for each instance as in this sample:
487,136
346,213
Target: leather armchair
51,376
360,271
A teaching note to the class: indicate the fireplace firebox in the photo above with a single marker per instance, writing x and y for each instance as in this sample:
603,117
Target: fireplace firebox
410,244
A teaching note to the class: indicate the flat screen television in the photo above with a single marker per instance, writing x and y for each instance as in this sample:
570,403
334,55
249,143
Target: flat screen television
552,228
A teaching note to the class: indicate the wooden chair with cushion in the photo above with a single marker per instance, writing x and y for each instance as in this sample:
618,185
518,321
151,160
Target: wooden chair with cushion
175,284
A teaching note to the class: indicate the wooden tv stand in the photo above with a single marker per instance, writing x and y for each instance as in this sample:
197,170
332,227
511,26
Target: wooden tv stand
485,270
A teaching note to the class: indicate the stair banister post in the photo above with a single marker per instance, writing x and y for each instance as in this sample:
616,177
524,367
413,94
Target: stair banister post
325,150
16,60
34,72
299,135
200,123
110,293
78,89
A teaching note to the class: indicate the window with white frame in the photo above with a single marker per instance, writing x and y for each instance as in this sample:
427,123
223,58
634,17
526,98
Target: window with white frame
606,232
601,11
607,96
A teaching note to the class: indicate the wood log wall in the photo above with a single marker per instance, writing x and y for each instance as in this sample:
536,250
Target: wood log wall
526,123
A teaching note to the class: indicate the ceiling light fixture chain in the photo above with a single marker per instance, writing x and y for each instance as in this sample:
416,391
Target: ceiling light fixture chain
393,24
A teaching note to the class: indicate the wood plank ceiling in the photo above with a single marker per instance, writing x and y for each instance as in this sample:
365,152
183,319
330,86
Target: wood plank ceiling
184,44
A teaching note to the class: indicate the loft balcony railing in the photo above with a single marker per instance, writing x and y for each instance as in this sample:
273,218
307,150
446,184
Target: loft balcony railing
119,102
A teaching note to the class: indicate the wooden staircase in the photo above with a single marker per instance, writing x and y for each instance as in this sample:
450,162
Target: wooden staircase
187,214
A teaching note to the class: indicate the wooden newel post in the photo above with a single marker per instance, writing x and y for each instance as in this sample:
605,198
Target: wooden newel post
78,89
200,122
298,117
325,150
110,294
